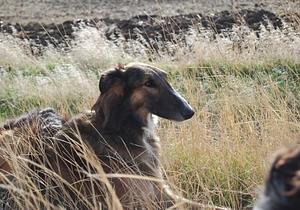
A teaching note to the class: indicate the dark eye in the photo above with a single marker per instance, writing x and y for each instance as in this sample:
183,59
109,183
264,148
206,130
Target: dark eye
150,83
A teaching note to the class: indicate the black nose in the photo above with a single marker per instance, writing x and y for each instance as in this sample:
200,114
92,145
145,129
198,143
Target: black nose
188,113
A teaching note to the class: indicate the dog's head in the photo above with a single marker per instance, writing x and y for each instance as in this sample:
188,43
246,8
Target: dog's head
282,190
142,89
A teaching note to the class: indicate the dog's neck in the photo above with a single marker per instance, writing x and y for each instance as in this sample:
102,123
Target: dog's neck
132,127
136,128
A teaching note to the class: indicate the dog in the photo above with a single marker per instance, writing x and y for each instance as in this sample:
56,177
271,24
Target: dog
282,188
119,134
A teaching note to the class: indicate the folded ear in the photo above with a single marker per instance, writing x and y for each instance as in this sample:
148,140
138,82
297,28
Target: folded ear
107,107
110,78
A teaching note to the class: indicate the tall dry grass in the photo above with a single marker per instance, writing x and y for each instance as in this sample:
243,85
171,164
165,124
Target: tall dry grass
245,91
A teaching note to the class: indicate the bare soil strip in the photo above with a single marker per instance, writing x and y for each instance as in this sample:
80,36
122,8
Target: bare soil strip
152,28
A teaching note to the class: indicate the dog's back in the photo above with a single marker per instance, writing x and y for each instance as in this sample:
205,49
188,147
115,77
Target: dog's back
38,124
47,120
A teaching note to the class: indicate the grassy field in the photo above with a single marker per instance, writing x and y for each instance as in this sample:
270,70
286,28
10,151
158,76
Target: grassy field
246,94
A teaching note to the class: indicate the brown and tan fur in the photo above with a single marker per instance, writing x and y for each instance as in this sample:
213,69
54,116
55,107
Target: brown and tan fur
119,134
282,189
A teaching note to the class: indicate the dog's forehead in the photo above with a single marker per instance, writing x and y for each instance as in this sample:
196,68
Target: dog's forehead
142,70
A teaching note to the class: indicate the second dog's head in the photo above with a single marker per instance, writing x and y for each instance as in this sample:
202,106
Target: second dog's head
139,89
282,189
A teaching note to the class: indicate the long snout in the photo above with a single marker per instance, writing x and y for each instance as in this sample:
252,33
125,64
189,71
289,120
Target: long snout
171,105
184,109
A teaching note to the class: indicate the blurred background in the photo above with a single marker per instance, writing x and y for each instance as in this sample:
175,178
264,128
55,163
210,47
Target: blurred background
58,10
